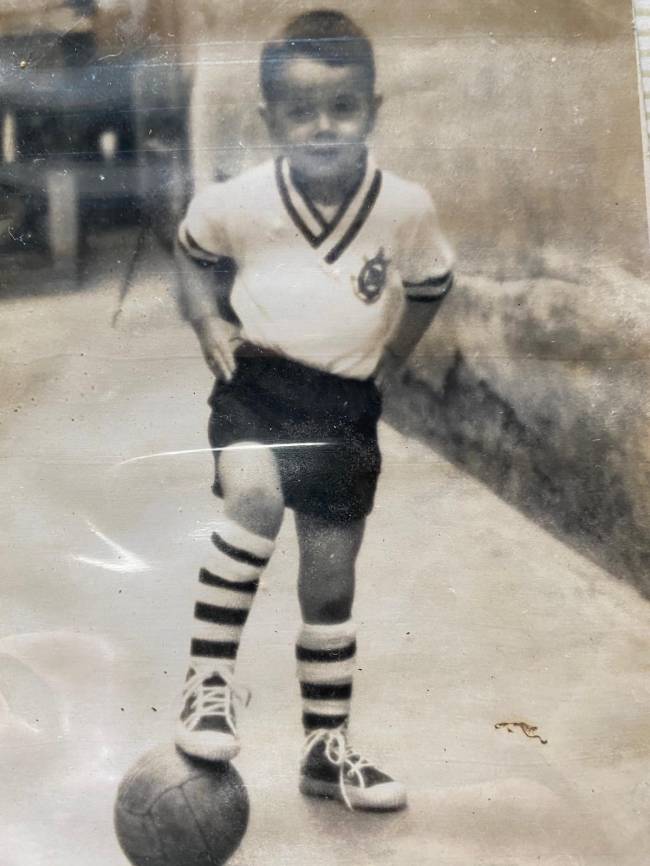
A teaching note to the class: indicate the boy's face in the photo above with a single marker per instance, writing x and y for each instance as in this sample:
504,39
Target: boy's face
321,117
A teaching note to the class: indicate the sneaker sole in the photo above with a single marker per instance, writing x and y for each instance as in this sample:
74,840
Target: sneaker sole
207,746
390,797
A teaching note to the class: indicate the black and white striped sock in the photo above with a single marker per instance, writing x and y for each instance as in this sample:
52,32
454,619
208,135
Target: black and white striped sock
227,586
325,656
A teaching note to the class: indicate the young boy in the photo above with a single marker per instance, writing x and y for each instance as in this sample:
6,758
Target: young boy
338,270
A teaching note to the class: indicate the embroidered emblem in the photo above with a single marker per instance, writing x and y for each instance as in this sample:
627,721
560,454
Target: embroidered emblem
372,279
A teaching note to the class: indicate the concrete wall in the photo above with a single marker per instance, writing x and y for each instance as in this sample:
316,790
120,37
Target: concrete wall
539,387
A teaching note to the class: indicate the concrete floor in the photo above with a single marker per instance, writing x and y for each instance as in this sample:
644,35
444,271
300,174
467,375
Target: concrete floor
469,616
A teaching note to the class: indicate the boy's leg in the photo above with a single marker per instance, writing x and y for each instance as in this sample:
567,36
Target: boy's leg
328,554
228,581
325,654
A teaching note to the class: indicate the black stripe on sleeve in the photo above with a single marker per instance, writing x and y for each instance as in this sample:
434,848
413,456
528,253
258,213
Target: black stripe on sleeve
192,244
197,252
338,654
357,224
429,283
210,579
220,615
445,283
237,553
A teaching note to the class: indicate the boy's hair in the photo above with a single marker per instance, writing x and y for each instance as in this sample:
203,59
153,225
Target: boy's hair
325,35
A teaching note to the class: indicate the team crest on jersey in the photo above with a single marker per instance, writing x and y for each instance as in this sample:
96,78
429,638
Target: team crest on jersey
372,279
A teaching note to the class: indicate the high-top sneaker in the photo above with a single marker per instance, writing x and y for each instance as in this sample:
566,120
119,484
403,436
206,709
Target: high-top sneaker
331,768
207,725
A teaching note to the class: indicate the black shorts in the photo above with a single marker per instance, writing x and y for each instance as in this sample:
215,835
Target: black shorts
322,428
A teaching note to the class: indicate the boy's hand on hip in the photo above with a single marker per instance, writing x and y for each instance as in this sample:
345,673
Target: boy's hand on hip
219,340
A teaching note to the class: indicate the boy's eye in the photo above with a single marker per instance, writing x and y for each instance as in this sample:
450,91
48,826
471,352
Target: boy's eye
345,105
300,112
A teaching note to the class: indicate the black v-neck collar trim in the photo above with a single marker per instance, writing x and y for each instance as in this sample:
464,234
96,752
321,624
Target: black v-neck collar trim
328,227
298,221
357,224
309,204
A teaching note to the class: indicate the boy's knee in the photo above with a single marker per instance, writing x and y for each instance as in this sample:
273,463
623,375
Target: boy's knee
265,500
252,490
257,508
326,596
333,610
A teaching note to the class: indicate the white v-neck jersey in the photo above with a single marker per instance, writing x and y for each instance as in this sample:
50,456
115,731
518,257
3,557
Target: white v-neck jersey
324,292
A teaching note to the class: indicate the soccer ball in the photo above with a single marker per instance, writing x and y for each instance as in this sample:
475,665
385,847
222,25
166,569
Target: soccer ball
172,810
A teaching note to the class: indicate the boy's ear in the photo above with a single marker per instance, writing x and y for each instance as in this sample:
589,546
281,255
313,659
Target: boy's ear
377,101
264,113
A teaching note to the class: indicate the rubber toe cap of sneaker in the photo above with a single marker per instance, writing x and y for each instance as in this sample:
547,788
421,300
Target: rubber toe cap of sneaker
207,745
389,796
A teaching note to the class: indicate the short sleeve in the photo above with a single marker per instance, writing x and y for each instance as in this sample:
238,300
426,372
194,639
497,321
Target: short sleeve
204,232
425,256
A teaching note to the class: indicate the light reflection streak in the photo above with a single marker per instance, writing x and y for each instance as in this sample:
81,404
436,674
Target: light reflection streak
124,562
249,446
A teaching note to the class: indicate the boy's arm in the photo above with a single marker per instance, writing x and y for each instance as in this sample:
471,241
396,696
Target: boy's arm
204,288
417,315
425,262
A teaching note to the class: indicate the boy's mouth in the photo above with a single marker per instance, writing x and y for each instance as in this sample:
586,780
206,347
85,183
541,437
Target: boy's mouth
324,152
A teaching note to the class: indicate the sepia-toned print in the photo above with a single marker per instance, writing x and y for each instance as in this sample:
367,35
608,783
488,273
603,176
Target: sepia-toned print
324,337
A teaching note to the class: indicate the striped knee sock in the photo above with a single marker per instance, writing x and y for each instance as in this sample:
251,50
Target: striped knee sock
326,658
227,586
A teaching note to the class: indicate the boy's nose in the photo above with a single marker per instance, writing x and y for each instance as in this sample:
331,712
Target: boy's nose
324,121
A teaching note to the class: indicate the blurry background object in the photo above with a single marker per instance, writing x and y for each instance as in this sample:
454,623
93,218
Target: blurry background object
91,130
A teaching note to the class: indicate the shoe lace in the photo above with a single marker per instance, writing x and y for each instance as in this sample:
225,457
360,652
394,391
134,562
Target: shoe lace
214,700
340,754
